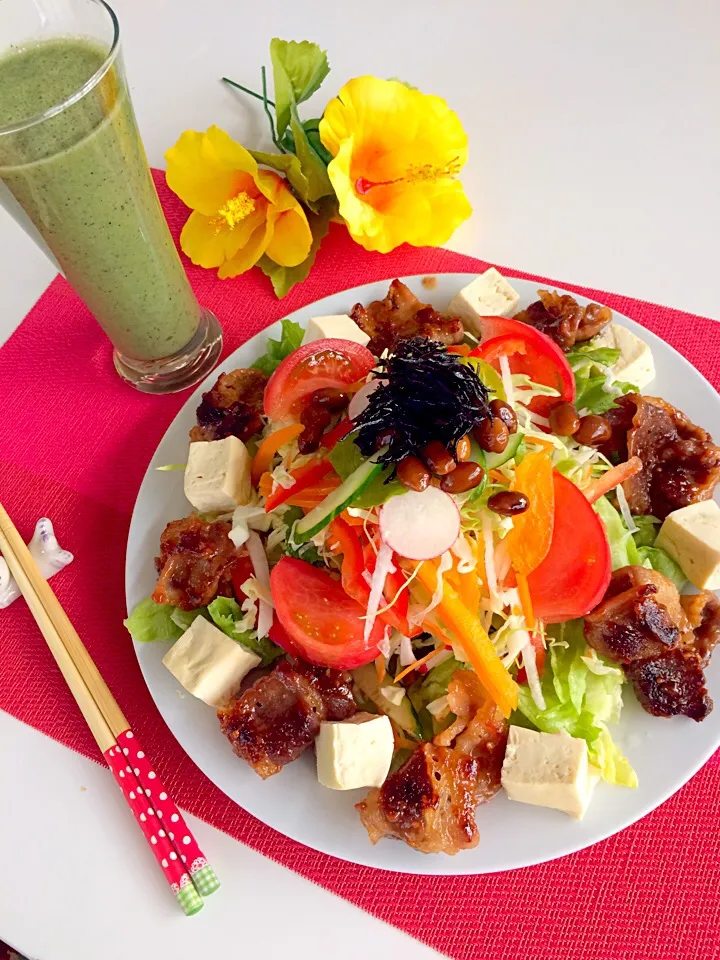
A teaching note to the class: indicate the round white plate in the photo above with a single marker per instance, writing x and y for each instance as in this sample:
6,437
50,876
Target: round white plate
665,753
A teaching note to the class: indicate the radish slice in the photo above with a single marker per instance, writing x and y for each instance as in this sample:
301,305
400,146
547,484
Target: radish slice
361,399
262,573
420,526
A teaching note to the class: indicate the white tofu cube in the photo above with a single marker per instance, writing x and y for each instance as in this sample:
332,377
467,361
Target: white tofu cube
635,364
691,536
217,476
354,753
489,295
208,663
548,770
340,326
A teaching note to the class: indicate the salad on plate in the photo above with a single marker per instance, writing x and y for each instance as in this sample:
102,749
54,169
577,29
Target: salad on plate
439,548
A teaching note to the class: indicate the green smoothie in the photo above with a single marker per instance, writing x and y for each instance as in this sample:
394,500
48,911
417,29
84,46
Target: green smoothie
82,178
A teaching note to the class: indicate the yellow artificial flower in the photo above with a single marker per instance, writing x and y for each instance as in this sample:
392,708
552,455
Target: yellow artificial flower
396,153
239,212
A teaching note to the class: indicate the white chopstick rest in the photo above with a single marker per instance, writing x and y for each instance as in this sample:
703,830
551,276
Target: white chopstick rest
47,554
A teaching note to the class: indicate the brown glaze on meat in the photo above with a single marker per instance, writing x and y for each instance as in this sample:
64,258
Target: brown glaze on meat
670,685
279,717
661,639
401,316
233,407
681,464
429,802
703,613
560,317
193,557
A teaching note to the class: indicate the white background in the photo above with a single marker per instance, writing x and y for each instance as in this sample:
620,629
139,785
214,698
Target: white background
595,150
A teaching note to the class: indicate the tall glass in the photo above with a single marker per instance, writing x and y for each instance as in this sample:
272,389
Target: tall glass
74,173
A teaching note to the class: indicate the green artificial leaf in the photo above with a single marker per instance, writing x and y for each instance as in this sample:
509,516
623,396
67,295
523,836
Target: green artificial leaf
312,129
298,70
150,621
288,164
277,350
313,167
225,612
284,279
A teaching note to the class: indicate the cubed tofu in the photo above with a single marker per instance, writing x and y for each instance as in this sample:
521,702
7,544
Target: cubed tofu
340,326
217,476
635,364
691,536
354,753
548,770
208,663
489,295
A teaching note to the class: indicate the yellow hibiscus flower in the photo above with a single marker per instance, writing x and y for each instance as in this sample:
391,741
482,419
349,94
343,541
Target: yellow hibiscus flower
396,153
239,212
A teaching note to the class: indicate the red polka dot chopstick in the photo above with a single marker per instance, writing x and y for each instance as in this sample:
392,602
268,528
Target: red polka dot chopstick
183,864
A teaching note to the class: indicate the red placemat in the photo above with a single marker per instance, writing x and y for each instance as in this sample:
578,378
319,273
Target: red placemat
75,443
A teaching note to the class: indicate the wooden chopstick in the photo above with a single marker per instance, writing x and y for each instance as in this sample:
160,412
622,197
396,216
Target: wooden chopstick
184,864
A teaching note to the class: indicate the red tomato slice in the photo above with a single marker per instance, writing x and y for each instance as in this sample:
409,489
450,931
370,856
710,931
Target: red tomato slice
573,577
323,622
528,351
279,635
323,364
242,570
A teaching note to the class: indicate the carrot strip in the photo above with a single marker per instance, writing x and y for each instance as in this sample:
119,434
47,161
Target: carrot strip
539,442
380,668
270,446
475,642
265,485
498,477
525,600
613,478
418,663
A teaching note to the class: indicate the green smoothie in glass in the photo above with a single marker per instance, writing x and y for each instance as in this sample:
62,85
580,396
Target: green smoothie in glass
82,178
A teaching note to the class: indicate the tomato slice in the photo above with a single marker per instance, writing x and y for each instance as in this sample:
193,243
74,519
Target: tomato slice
242,570
573,577
322,364
304,477
530,352
279,635
323,622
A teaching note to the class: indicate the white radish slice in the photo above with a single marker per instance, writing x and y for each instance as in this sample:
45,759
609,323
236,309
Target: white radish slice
420,526
261,567
360,400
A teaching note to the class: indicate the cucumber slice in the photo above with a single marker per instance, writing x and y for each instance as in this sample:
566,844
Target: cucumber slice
494,460
402,714
336,502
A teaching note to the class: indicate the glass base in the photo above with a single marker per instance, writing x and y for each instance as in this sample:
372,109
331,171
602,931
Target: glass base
183,369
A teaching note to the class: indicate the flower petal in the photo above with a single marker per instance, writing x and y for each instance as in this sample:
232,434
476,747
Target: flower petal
249,255
291,239
203,240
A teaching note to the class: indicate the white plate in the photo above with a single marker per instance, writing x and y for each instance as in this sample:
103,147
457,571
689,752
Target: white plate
665,753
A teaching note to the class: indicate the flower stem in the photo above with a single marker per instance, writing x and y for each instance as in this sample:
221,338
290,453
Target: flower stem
239,86
266,105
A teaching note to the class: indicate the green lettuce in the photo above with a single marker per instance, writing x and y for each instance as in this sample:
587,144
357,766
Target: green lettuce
636,549
590,366
304,551
277,350
429,688
583,694
225,612
151,621
623,549
346,458
656,558
648,528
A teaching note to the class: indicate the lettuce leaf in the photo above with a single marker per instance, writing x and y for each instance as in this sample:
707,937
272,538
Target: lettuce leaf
225,612
624,547
185,618
151,621
663,563
591,365
346,458
583,693
648,529
429,688
277,350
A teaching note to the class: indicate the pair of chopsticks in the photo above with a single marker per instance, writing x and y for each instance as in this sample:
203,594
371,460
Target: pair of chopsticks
185,868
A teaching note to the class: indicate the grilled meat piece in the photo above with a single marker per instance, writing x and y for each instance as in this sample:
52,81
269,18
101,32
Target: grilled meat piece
681,464
703,613
401,316
279,717
662,640
194,556
670,685
560,317
233,407
429,802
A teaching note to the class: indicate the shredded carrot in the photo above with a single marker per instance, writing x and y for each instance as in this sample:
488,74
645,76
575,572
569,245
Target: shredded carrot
352,521
270,446
539,442
265,485
498,477
525,600
380,668
461,349
418,663
613,478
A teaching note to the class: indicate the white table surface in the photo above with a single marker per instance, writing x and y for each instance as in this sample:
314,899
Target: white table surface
594,147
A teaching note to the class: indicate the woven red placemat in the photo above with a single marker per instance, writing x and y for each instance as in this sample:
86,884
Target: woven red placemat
75,443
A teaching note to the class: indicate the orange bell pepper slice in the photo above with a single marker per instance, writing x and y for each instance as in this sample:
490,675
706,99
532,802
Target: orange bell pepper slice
269,447
528,543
